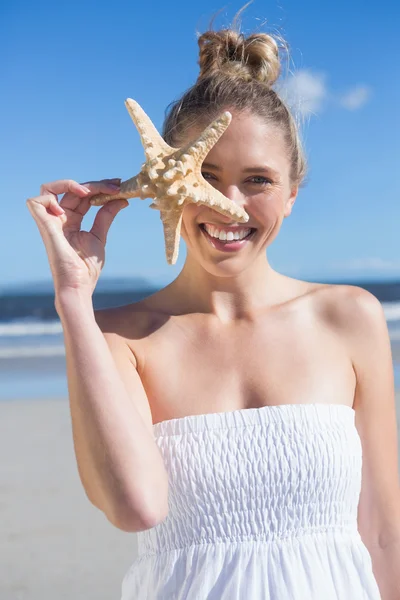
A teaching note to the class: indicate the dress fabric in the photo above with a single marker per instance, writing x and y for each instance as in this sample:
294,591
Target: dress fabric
262,506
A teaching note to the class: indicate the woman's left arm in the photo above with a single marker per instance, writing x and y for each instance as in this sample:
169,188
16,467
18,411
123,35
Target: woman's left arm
375,419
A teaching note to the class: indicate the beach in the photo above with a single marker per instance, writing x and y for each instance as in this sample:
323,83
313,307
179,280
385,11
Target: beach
54,542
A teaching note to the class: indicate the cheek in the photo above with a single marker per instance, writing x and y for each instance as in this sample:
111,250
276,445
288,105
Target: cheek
189,215
265,209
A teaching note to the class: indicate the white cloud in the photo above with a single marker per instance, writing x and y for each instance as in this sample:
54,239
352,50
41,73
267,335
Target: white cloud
355,98
304,91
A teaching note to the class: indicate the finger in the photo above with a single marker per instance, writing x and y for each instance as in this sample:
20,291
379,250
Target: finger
39,206
103,186
41,209
105,217
81,206
49,228
70,188
62,186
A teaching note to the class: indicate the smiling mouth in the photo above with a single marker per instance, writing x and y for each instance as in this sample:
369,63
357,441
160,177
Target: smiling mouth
227,242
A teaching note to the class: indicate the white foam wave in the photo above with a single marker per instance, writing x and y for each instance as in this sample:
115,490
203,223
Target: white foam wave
391,310
32,352
42,328
24,329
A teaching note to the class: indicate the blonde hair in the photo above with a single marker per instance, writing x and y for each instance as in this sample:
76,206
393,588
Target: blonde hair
237,72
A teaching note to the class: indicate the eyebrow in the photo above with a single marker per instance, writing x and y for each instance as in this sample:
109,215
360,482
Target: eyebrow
255,169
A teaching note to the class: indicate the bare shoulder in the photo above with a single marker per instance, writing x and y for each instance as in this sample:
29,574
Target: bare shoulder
358,317
129,325
136,318
349,308
352,313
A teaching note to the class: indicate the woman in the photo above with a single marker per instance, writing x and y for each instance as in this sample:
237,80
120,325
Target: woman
240,421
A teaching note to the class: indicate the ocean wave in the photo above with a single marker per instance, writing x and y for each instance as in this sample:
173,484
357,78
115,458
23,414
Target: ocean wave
22,328
391,310
32,352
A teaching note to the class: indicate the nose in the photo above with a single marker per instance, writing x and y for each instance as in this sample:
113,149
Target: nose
232,192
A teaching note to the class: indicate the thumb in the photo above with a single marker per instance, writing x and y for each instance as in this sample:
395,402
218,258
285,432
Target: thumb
105,217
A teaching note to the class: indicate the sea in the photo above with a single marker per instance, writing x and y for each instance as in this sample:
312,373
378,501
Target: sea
32,353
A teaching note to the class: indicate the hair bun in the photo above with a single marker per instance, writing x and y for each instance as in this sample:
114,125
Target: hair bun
254,57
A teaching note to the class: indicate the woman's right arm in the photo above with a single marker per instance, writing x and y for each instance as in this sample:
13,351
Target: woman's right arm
119,463
118,460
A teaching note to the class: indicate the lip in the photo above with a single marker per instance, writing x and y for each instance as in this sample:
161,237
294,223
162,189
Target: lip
233,246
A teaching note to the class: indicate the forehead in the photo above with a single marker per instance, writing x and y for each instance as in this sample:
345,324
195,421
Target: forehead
249,140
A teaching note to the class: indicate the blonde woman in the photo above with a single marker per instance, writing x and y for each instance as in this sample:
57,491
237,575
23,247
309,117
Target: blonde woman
241,422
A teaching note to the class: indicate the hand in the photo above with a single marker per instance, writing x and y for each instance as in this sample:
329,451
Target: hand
76,257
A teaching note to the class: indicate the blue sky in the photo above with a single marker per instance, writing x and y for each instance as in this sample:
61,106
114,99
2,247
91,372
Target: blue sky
67,68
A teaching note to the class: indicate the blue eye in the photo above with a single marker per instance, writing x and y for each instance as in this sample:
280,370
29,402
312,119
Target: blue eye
207,175
261,180
257,179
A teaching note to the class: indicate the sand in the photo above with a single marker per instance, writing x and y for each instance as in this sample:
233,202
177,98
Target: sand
54,544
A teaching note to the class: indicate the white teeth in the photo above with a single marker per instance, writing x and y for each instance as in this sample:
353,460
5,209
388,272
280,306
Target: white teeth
226,236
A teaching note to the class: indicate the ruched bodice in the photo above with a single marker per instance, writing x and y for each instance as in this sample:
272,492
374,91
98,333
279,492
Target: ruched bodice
262,506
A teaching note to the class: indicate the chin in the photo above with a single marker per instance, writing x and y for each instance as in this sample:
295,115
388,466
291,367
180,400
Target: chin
220,267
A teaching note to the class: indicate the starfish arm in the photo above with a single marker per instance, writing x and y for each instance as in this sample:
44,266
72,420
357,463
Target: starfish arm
172,221
207,195
152,141
199,149
135,187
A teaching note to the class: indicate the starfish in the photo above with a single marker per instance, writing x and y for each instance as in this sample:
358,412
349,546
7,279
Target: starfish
172,177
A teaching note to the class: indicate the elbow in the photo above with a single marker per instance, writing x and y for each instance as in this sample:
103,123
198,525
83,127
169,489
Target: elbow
134,523
389,537
133,515
130,520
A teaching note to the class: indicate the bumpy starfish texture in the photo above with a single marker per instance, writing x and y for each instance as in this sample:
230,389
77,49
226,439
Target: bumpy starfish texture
172,177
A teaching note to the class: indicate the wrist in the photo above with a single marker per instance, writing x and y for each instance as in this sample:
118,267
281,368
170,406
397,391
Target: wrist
73,301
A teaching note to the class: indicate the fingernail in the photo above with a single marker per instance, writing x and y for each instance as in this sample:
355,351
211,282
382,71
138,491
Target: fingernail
85,189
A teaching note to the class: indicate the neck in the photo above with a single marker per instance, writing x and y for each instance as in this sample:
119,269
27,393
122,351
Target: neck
229,298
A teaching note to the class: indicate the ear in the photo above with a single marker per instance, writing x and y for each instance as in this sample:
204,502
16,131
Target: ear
291,200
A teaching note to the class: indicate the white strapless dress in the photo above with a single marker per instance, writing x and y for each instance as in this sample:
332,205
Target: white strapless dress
262,506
